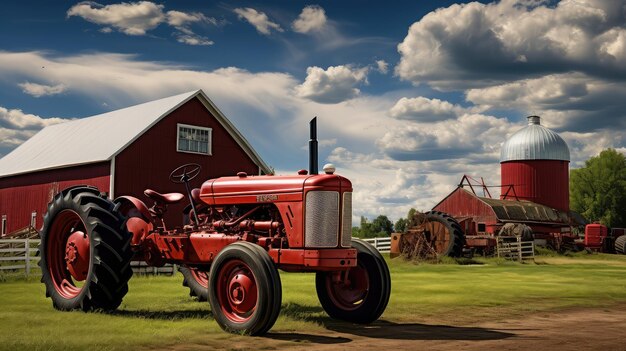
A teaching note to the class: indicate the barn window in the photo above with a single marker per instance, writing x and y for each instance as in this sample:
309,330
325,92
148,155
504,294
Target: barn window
33,219
482,227
4,225
194,139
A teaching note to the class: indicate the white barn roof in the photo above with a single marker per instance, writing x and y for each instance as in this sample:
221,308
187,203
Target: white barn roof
102,137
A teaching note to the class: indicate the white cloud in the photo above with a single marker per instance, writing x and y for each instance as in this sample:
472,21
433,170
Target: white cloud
137,18
39,90
421,109
17,126
311,19
472,136
571,101
182,19
122,79
130,18
193,40
476,45
382,66
333,85
259,20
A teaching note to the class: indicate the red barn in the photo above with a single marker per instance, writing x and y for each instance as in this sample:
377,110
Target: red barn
122,152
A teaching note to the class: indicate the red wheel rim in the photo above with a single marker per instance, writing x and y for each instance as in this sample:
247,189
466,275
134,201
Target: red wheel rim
237,291
348,293
68,253
201,277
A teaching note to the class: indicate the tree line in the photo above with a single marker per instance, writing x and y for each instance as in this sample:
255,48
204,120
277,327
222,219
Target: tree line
381,226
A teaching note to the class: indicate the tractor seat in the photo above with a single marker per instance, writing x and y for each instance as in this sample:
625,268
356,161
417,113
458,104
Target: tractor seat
167,199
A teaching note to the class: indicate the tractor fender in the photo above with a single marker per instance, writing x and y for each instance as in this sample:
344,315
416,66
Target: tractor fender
139,220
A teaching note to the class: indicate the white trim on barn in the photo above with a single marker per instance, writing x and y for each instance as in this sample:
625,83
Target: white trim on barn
112,180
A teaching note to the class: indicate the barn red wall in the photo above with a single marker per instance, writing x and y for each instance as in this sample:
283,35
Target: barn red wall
22,194
460,204
545,182
148,161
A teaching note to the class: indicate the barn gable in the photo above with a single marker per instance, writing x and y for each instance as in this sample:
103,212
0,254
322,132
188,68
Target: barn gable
101,137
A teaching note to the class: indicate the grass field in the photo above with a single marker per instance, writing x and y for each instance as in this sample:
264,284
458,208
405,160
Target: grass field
157,312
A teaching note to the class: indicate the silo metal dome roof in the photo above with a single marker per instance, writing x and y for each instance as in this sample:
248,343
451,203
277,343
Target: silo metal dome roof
534,142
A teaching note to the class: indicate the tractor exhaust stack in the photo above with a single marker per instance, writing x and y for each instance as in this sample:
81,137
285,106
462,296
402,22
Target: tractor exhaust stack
313,162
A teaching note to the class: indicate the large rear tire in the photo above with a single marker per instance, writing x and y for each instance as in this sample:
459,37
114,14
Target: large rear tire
85,251
620,245
364,297
244,289
197,281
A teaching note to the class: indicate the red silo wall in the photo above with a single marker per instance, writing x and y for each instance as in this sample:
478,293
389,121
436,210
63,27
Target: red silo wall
542,181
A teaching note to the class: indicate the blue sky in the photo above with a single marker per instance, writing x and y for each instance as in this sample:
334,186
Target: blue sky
410,94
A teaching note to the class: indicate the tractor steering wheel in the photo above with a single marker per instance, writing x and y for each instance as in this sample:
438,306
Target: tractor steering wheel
185,173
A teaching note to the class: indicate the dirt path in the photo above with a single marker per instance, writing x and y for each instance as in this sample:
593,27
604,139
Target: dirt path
597,329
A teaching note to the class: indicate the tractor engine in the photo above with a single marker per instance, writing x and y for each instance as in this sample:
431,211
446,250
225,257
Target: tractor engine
302,211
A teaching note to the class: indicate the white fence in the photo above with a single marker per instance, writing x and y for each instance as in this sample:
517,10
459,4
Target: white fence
515,249
20,256
383,245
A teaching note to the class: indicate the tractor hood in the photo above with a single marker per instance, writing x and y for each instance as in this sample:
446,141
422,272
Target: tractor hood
247,188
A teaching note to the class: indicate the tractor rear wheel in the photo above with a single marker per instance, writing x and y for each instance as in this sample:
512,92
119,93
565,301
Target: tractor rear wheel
620,245
244,289
362,294
85,251
445,234
197,281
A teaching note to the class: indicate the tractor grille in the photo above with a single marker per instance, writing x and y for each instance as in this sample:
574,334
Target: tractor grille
322,219
346,220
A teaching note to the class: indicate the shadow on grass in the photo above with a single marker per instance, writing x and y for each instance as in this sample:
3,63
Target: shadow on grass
383,329
310,338
163,315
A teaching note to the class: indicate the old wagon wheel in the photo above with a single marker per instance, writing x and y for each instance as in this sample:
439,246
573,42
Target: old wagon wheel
443,233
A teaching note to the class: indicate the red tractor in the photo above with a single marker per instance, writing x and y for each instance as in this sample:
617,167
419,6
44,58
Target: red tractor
240,230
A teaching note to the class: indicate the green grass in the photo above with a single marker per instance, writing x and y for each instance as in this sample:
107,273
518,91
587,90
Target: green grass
157,312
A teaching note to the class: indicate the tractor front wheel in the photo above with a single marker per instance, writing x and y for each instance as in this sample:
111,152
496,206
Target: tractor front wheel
359,295
197,281
244,289
85,251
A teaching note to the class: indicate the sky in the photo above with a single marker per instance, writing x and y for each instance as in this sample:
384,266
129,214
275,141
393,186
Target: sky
409,95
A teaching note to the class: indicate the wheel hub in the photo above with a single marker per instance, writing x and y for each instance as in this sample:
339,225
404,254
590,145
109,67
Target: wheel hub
77,255
242,292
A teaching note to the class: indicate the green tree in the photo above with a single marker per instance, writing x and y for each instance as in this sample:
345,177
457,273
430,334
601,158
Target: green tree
598,190
401,225
382,226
